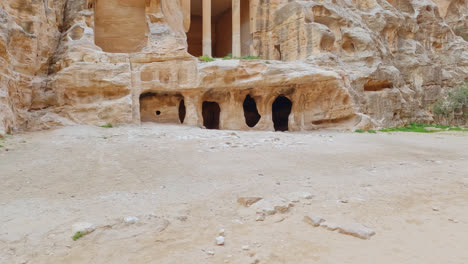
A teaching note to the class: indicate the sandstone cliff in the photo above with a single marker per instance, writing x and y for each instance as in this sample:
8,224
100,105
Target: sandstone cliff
359,63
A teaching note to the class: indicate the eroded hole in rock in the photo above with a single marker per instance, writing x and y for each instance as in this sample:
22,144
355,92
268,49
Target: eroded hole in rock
377,85
348,45
251,112
211,112
281,110
278,50
160,107
182,111
120,26
76,33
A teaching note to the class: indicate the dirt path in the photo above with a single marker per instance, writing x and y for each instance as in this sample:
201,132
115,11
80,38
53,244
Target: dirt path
183,183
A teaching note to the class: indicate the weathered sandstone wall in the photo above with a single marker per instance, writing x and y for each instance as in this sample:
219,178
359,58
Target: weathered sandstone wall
343,64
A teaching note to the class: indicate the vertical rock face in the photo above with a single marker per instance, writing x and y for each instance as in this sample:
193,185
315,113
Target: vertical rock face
342,63
29,34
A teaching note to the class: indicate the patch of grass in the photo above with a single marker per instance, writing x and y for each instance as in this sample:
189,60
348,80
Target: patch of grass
1,146
371,131
251,58
206,58
230,57
423,128
108,126
458,129
78,235
359,131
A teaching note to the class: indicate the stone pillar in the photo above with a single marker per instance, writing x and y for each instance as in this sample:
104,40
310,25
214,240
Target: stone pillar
236,29
207,28
187,12
191,117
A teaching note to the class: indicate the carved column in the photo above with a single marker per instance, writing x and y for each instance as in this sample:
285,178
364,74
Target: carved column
207,28
236,29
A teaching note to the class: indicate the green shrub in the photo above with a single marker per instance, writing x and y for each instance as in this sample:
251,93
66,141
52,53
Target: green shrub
108,126
78,235
206,58
422,128
456,101
371,131
359,131
228,57
250,58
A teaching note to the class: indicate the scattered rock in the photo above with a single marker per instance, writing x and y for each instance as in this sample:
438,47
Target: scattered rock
329,226
221,232
83,227
297,196
282,205
131,220
453,220
245,247
265,207
344,201
260,217
435,209
209,252
237,221
248,201
314,221
220,241
255,261
357,230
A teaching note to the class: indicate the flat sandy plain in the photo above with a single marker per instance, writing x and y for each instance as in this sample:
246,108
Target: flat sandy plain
182,183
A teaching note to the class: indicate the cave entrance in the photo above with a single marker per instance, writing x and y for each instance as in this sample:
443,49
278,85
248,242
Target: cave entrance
182,111
252,117
211,112
162,107
281,110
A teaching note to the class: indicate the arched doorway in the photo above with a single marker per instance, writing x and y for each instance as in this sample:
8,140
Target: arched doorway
281,110
211,112
251,112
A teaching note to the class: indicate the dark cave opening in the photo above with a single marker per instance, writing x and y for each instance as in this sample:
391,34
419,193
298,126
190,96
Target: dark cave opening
182,111
211,112
251,112
281,110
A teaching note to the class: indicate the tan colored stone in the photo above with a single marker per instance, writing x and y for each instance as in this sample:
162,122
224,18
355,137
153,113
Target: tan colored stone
342,64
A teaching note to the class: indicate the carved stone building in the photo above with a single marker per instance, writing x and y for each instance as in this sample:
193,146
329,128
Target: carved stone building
323,63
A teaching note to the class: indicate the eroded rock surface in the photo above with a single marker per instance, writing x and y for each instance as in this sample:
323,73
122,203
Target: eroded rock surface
342,64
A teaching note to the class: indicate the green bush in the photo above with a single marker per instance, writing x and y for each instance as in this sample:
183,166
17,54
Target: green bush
206,58
108,126
78,235
422,128
455,102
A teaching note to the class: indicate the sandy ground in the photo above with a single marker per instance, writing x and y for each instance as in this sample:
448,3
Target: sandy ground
182,183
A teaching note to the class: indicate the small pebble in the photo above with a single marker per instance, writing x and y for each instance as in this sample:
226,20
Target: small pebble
220,241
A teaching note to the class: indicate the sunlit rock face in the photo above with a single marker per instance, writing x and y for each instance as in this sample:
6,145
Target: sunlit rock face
341,64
